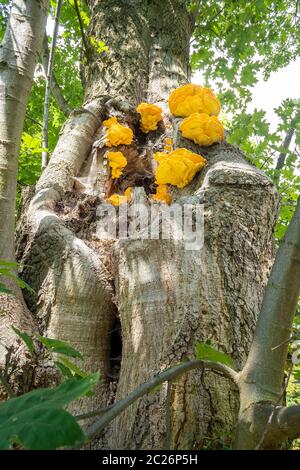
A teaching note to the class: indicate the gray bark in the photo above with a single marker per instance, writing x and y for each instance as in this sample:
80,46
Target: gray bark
19,52
169,298
18,56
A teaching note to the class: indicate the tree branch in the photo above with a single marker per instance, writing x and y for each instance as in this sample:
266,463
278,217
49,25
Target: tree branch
84,39
55,88
287,419
273,412
166,376
48,86
264,369
286,144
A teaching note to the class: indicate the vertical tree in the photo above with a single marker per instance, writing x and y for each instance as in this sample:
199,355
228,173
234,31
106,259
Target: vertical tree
19,51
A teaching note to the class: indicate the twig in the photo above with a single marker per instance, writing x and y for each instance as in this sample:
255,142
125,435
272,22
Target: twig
281,344
48,86
33,120
97,412
167,375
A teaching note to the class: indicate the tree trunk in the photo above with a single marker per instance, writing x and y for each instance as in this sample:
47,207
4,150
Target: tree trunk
19,51
18,57
166,297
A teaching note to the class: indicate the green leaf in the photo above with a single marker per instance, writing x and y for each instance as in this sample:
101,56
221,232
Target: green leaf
60,347
8,264
64,370
37,419
70,369
26,338
6,271
73,368
205,352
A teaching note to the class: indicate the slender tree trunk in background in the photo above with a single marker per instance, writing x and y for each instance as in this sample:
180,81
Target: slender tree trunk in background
19,52
18,57
165,296
48,88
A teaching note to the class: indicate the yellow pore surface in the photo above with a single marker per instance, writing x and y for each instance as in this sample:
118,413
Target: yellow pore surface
117,162
202,129
189,99
116,133
150,116
162,194
178,167
118,199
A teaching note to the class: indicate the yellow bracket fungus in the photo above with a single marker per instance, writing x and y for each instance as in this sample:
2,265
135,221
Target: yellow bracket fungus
118,199
151,115
116,133
189,99
117,163
168,146
178,167
202,129
162,194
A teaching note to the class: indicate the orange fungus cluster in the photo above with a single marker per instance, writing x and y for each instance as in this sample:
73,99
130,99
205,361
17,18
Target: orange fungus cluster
176,167
117,134
202,129
151,115
118,199
189,99
117,162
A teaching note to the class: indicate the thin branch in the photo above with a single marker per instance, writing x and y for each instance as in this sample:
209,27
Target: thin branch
84,38
286,145
48,86
168,375
55,88
99,411
33,120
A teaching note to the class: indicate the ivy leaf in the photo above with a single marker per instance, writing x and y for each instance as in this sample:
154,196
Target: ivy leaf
205,352
60,347
37,420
